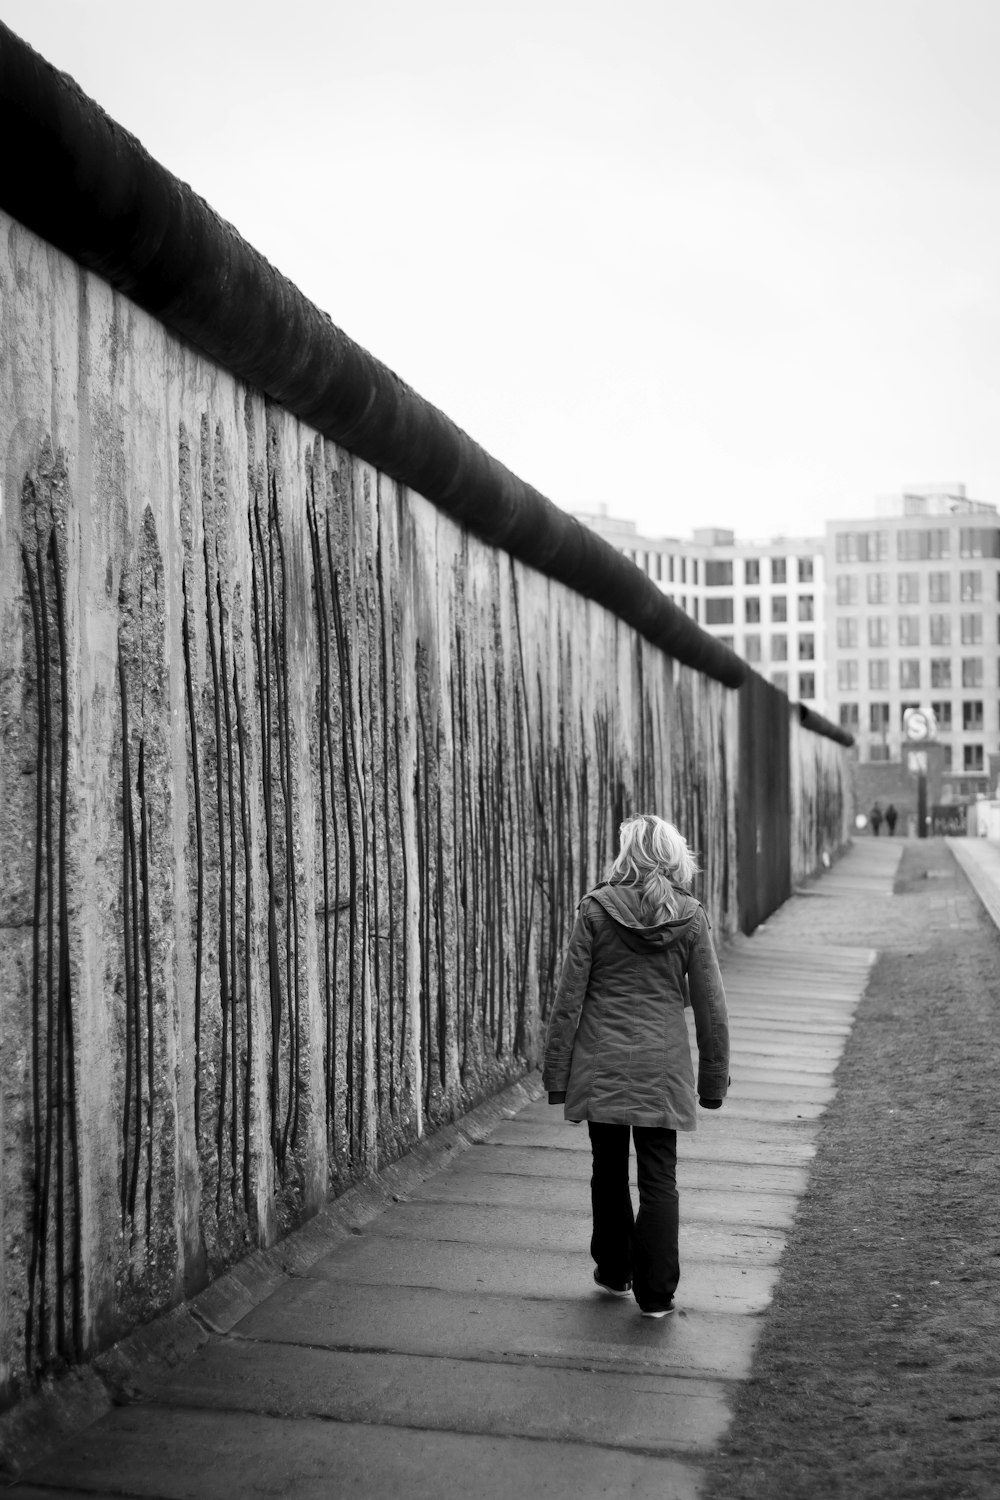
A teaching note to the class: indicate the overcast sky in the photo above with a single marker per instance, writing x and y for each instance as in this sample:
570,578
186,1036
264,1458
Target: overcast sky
709,262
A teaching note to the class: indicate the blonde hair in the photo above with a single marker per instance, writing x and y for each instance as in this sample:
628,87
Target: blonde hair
655,859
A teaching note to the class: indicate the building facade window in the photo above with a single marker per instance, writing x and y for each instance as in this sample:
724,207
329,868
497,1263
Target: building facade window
970,586
718,573
805,571
751,611
918,546
807,684
847,677
878,630
780,681
878,588
779,648
878,675
849,715
942,712
846,586
751,647
941,672
972,757
862,546
972,716
939,588
909,630
718,611
779,609
972,630
909,674
878,718
908,588
807,647
751,572
806,607
847,633
979,541
940,630
972,671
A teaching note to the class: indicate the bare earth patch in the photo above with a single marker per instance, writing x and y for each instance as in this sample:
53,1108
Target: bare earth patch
878,1369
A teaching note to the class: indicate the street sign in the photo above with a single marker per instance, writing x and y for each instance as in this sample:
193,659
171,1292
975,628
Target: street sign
919,725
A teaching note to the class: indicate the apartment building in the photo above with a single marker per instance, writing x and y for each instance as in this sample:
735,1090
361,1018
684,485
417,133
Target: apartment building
913,611
765,599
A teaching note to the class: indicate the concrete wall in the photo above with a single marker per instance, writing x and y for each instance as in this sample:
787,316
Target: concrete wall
822,802
299,786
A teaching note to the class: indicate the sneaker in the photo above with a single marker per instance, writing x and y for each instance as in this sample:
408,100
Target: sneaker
656,1312
612,1291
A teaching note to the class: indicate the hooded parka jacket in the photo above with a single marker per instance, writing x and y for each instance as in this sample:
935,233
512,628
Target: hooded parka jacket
617,1041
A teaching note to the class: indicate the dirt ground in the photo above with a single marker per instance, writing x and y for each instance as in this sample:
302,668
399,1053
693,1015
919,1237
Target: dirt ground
878,1369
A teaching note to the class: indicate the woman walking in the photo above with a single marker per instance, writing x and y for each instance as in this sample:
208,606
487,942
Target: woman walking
617,1052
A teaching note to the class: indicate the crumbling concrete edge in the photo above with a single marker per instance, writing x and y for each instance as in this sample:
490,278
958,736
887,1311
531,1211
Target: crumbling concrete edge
64,1406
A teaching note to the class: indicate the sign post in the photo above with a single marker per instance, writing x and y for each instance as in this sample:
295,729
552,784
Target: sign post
919,726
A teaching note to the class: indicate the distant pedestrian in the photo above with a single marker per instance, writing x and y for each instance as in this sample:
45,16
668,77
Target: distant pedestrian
617,1053
875,819
890,819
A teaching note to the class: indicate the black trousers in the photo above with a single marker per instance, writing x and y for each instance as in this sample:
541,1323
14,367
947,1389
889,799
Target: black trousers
641,1248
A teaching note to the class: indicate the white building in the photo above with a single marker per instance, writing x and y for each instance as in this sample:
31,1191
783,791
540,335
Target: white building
765,599
913,596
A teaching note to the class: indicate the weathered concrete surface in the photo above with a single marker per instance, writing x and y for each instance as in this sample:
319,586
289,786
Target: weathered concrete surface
299,787
455,1334
173,1455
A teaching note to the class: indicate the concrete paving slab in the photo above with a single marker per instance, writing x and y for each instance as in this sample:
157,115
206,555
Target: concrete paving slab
213,1455
533,1161
654,1413
374,1259
771,1109
760,1036
749,1085
774,1210
755,1051
758,1070
602,1333
714,1140
477,1224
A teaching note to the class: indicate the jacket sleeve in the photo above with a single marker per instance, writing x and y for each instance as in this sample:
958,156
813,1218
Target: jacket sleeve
711,1021
565,1014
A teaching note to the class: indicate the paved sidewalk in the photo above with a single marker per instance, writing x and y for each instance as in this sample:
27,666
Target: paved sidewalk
454,1345
980,860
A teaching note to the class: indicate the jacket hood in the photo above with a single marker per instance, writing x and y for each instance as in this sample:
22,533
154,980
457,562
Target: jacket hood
621,902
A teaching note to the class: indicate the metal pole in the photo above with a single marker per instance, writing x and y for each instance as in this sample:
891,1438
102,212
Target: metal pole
921,804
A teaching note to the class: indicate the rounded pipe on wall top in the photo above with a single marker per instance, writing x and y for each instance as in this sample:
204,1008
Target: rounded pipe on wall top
80,181
810,719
